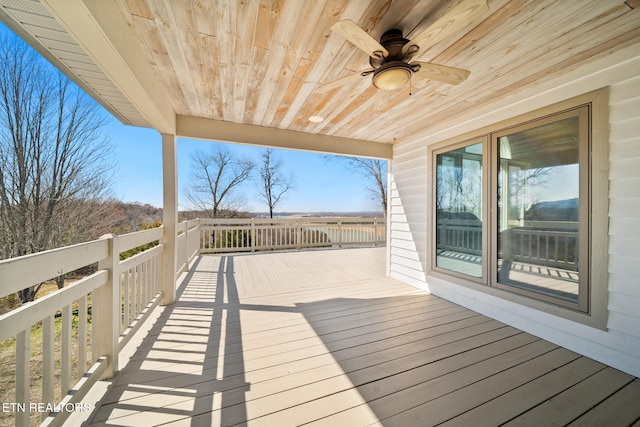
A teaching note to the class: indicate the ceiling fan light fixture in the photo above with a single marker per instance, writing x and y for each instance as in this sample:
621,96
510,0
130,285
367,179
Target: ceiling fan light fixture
392,76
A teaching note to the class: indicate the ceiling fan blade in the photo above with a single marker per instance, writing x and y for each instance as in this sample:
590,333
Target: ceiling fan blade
343,81
359,37
441,73
453,21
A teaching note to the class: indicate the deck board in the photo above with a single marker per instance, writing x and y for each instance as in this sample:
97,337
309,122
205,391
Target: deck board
570,404
324,338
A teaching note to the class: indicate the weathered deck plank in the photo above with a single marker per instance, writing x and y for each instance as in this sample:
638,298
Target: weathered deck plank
323,337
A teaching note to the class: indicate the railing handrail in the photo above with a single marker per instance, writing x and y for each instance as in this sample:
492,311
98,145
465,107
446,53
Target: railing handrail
22,317
465,236
256,234
188,225
141,257
138,238
21,272
124,292
303,219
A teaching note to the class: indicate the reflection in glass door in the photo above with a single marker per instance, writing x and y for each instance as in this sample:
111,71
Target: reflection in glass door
538,190
459,210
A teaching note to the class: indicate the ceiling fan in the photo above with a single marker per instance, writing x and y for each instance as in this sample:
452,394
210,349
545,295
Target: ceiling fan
390,59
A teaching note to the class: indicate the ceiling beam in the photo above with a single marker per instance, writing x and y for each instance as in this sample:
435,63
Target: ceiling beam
216,130
99,28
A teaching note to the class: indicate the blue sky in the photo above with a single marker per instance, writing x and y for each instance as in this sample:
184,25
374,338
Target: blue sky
321,185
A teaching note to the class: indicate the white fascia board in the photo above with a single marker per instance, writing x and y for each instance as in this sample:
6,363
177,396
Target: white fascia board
99,28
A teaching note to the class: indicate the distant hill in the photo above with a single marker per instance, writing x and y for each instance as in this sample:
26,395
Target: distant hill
201,214
317,214
137,214
130,217
557,210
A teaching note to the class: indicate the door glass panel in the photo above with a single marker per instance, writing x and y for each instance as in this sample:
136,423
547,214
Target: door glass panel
538,204
459,210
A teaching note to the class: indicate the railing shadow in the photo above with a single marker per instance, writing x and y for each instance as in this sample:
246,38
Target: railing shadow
345,354
190,365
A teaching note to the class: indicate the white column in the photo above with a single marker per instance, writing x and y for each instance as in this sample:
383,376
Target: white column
169,218
106,309
390,187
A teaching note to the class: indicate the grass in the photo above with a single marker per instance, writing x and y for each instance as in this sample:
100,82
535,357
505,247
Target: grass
8,360
8,303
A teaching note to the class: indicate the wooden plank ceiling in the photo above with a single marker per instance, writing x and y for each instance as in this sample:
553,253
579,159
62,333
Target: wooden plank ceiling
260,62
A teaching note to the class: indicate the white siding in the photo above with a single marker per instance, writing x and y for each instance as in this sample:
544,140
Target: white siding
408,228
624,204
619,346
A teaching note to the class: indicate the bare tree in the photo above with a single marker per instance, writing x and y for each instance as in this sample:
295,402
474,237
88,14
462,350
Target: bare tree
273,183
375,172
82,220
214,177
459,184
52,153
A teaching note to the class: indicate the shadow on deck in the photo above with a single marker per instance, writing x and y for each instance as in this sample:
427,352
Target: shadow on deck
323,337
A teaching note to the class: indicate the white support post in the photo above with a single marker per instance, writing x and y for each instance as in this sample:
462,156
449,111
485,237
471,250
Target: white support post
48,361
169,219
23,357
187,247
107,302
253,234
375,231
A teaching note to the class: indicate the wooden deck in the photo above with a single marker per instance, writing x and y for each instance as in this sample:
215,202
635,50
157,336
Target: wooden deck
323,337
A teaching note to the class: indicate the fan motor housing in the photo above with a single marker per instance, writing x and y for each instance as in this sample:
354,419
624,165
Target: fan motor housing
393,41
393,71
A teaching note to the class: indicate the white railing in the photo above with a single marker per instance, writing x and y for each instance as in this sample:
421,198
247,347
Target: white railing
548,243
258,234
459,235
88,322
188,243
109,306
